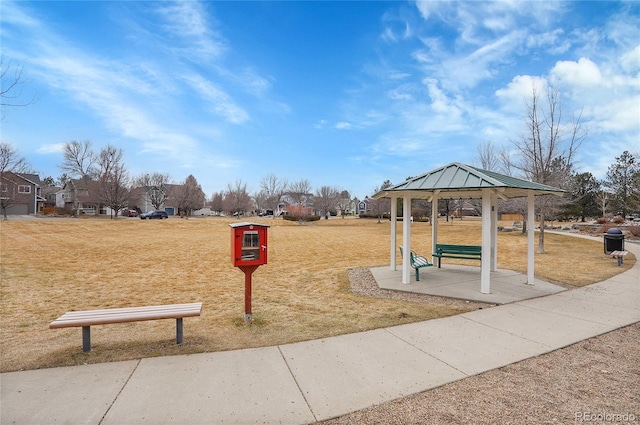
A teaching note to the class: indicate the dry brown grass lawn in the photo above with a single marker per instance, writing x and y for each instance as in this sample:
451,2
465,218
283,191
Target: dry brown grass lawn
48,267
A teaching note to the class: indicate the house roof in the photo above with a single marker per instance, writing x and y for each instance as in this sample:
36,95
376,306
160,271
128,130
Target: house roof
49,190
458,180
29,178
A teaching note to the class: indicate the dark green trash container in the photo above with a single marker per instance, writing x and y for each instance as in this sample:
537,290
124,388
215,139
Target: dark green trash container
613,240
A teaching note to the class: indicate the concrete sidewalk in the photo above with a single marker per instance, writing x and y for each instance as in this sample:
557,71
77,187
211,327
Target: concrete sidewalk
316,380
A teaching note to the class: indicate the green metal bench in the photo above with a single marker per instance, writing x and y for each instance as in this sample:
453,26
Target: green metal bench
417,262
466,252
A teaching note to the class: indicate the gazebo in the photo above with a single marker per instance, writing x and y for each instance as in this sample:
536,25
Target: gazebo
456,181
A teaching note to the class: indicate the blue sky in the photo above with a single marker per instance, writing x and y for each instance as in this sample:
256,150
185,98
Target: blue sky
345,93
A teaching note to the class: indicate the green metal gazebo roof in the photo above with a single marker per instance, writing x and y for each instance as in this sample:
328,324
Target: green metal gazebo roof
458,180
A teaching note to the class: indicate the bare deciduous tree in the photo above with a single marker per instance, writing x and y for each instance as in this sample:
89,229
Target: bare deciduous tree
12,81
190,196
344,201
260,201
271,190
11,163
603,199
547,148
490,157
113,180
217,202
79,161
326,199
300,192
156,187
382,205
237,200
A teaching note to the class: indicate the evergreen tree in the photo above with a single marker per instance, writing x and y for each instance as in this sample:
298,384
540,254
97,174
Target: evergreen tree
623,181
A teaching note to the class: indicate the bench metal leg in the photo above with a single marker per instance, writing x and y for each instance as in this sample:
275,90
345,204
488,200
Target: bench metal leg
417,275
179,330
86,338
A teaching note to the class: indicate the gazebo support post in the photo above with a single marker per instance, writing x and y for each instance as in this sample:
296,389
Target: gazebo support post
485,272
394,222
530,238
434,223
406,239
494,232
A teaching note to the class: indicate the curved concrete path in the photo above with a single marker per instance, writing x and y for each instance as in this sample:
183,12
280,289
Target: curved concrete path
316,380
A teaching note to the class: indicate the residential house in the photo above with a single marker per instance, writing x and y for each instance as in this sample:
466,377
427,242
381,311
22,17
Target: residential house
289,205
49,205
141,199
363,207
20,194
464,208
77,196
349,206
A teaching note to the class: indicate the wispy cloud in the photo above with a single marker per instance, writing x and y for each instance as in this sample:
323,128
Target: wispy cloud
188,22
138,100
219,102
50,148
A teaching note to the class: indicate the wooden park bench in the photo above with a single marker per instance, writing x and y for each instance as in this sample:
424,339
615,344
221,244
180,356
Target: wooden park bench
619,255
88,318
467,252
417,262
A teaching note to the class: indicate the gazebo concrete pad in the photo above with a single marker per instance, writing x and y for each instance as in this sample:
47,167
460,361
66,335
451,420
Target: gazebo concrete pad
463,282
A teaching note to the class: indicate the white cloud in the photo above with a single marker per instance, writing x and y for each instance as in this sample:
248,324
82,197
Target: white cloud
611,100
51,148
582,73
398,75
220,102
439,8
400,93
255,83
12,15
188,21
555,41
396,28
343,125
489,37
519,90
630,61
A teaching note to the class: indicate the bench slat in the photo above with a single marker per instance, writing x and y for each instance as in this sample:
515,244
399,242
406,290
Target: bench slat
129,309
151,310
464,252
417,262
128,314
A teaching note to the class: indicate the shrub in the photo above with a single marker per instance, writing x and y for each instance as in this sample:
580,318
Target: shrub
634,230
601,220
368,215
618,220
302,217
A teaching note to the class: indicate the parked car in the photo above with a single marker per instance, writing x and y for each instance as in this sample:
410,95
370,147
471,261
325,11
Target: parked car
154,214
129,213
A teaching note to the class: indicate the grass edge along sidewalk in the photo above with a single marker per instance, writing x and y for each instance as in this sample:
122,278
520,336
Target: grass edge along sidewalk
85,264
